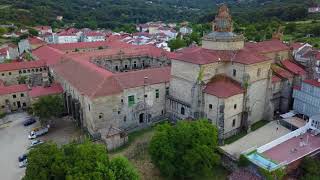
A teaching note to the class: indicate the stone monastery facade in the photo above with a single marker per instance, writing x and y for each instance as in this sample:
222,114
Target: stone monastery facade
123,87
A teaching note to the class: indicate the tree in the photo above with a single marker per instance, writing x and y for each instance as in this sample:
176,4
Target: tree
47,107
85,160
33,32
186,150
310,168
175,44
122,169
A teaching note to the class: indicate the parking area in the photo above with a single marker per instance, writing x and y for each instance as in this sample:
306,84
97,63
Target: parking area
14,141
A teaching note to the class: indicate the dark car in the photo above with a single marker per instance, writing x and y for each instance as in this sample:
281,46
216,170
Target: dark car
29,121
22,157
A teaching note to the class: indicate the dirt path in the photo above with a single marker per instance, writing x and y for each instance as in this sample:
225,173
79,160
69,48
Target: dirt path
137,153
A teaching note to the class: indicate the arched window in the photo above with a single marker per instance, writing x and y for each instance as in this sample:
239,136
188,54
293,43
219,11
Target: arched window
182,111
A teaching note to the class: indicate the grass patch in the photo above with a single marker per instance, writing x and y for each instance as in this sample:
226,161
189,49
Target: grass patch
235,137
258,125
132,137
218,173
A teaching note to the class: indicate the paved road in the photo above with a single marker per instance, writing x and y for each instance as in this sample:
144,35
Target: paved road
13,143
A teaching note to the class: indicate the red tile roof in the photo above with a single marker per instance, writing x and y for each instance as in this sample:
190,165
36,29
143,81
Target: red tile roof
36,41
69,32
87,78
3,51
48,54
312,82
13,89
39,91
15,65
42,28
198,55
293,67
137,78
80,45
275,79
268,46
223,86
296,45
281,72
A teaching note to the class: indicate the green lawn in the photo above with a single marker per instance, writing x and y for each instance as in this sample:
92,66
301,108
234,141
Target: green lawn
258,125
132,137
235,137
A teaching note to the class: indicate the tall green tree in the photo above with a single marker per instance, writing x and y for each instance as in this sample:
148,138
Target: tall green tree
47,107
186,150
83,161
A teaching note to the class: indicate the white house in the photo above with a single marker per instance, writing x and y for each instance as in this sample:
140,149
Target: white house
93,36
185,30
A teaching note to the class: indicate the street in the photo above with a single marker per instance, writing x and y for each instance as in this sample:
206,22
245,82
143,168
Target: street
14,142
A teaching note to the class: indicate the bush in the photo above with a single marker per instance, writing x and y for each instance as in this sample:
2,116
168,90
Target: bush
2,114
243,161
77,161
186,150
274,175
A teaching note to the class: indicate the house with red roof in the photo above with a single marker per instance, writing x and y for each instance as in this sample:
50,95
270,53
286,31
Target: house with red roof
22,96
93,36
43,29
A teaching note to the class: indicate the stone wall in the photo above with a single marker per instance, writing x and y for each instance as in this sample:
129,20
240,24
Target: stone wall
219,45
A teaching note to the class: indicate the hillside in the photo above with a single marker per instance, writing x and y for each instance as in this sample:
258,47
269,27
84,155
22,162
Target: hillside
113,13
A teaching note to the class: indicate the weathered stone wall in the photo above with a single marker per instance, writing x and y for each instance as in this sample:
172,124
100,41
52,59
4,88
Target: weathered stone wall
11,77
232,45
9,102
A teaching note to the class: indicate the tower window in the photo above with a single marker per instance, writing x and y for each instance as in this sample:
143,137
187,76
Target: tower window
233,122
235,106
234,73
157,93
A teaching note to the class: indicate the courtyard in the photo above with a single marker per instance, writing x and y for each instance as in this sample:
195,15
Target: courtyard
14,141
255,139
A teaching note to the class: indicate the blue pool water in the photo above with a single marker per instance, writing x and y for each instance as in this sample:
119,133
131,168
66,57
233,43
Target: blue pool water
261,161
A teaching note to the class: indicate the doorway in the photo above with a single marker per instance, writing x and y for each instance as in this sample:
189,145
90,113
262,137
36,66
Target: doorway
19,104
141,118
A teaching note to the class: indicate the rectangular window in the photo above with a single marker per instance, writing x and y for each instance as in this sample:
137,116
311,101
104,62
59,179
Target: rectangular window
210,106
24,104
131,100
234,73
233,122
22,95
157,93
89,107
167,91
14,96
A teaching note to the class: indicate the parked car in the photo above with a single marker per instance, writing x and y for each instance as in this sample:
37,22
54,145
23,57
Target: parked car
23,163
22,157
29,121
40,132
35,143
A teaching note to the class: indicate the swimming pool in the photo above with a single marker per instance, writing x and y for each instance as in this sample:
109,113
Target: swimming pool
261,161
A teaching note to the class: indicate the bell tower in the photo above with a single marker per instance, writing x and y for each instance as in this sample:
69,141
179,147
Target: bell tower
222,36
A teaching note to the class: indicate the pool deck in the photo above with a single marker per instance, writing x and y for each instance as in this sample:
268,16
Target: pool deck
294,148
255,139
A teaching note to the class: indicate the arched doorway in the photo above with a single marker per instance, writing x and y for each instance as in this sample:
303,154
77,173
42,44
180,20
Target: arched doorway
141,118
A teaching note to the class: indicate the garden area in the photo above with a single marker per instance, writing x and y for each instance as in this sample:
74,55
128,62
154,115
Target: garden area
145,146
